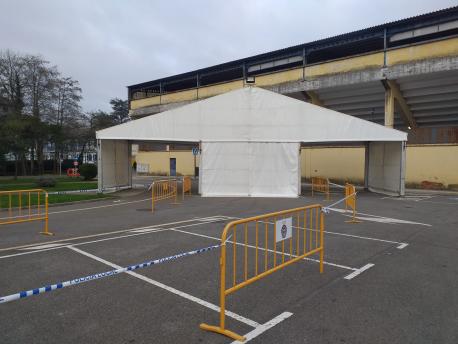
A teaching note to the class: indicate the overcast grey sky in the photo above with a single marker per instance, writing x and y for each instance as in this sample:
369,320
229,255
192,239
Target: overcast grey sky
109,44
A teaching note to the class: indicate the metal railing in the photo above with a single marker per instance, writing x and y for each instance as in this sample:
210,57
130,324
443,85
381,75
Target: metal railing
187,184
294,234
163,189
320,184
350,201
20,206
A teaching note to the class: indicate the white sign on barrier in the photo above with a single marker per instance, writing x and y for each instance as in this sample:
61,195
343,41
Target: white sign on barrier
283,229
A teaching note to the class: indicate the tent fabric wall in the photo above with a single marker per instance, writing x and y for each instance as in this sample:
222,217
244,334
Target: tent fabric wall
114,164
257,169
386,167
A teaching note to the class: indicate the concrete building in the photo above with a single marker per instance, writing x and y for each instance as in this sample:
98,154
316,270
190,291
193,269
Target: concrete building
402,74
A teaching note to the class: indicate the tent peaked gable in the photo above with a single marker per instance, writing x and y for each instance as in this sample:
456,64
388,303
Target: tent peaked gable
251,114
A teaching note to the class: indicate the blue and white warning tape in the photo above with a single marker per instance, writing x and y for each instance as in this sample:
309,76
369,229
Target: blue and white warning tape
71,192
328,208
338,185
111,189
27,293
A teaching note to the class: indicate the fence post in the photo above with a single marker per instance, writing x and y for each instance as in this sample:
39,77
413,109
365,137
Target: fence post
322,241
176,192
152,197
222,296
327,189
46,231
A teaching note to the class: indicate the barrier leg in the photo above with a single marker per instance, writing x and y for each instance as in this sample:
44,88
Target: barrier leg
152,198
46,230
176,193
354,219
322,242
222,315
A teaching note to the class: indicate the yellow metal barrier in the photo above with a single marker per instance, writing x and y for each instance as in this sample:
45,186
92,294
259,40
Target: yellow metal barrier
350,201
320,184
163,189
24,206
186,185
299,231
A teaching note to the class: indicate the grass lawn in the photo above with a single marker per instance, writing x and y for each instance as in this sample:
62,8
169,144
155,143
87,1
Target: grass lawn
63,183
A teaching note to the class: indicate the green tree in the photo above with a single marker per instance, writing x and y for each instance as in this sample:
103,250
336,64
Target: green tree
120,111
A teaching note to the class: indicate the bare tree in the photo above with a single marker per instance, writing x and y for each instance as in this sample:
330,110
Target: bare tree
44,106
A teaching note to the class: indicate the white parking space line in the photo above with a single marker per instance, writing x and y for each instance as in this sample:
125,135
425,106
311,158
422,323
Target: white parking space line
377,218
403,245
41,247
102,234
264,327
359,271
78,244
135,233
269,250
98,207
414,198
400,246
182,294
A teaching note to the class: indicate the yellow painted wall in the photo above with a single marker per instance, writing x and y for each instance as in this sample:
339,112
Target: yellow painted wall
159,162
139,103
448,47
435,163
345,65
209,91
179,96
278,78
338,163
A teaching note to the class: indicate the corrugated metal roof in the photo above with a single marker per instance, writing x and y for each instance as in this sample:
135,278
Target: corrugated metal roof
401,24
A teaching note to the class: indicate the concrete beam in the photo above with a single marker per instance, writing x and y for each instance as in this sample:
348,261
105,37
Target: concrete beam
393,92
420,67
375,74
389,108
154,109
313,98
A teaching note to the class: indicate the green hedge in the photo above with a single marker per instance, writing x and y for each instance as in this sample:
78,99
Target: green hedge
88,171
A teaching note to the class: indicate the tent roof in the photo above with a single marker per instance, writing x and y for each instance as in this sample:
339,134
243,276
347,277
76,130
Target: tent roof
251,114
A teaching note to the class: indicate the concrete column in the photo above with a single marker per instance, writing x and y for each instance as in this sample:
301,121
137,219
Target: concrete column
389,108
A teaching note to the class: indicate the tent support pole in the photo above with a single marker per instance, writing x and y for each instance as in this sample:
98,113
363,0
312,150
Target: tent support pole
99,166
366,166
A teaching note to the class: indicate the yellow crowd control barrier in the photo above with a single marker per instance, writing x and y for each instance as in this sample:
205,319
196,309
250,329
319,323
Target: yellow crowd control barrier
275,240
24,206
163,189
186,185
350,201
320,184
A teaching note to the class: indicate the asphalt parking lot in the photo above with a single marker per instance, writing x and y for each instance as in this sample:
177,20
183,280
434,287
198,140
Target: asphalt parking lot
390,279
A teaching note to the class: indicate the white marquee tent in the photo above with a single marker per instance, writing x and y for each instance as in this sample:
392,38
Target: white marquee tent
250,140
